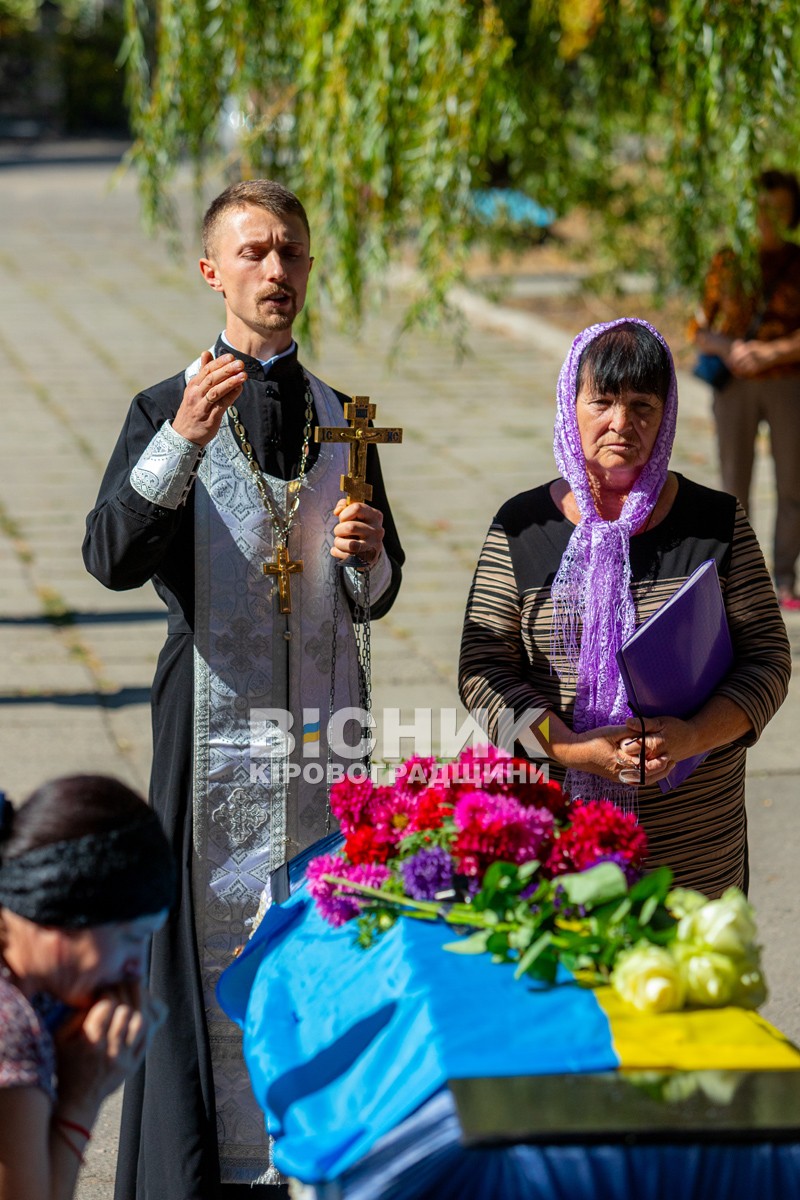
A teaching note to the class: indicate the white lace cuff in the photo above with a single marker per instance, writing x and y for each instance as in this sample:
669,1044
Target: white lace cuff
380,576
167,469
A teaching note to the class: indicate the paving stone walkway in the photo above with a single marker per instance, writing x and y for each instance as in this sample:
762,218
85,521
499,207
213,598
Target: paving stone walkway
92,311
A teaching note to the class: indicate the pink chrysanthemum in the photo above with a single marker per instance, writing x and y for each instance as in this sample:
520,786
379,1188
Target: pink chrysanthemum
599,831
495,771
339,908
473,767
349,801
483,754
390,811
415,773
498,829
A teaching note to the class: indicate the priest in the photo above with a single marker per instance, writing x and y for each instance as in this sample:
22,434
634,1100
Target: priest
218,493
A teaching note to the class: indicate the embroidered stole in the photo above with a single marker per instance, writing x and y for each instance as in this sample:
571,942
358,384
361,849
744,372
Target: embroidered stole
259,788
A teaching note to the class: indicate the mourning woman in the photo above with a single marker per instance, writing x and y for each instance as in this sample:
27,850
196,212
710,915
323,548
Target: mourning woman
86,877
571,568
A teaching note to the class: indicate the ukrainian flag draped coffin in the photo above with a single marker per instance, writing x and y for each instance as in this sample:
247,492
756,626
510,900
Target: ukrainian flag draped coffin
343,1044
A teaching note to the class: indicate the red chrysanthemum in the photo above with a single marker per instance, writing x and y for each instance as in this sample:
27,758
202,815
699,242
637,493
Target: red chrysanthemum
474,770
498,829
368,845
599,832
430,809
547,795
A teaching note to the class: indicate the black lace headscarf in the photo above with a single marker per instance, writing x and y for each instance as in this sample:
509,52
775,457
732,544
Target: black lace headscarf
82,851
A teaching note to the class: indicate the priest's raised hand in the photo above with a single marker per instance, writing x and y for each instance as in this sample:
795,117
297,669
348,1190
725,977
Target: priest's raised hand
208,396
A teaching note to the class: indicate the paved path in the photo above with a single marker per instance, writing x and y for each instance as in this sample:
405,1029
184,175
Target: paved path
92,311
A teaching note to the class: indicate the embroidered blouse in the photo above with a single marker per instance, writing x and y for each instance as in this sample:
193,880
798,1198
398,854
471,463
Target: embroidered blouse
27,1053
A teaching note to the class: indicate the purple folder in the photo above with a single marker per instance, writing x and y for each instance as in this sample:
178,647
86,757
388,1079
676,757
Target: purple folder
678,656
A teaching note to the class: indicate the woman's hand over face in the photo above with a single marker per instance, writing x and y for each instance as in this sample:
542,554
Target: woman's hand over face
100,1047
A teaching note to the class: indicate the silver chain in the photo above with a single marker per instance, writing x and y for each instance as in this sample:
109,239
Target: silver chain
331,701
363,638
280,526
361,607
363,635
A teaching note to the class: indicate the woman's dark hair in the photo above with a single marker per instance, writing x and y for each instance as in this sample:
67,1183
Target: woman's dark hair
84,850
772,181
627,357
74,806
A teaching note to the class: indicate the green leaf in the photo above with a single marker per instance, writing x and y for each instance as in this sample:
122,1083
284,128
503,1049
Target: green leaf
621,911
500,876
544,968
653,883
598,884
497,943
572,939
527,871
661,937
602,914
648,910
532,953
474,944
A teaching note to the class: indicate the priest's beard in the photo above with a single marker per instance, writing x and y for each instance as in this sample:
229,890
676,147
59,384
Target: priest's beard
274,320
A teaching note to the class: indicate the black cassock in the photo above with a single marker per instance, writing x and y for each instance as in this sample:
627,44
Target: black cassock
168,1148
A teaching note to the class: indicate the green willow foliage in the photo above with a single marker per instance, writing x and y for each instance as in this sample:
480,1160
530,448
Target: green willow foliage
385,115
24,16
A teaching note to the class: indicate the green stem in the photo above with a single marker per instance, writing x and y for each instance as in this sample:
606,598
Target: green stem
427,909
363,889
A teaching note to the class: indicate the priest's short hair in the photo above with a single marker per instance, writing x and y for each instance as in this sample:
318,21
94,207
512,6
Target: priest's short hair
268,194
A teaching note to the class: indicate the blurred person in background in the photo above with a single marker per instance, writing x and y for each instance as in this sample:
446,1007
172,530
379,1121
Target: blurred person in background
755,331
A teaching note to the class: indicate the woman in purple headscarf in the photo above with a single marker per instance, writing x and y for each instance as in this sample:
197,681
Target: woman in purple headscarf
571,568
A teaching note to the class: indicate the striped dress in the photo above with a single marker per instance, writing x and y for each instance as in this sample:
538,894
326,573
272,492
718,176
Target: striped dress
699,830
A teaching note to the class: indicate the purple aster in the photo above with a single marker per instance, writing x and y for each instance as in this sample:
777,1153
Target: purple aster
427,872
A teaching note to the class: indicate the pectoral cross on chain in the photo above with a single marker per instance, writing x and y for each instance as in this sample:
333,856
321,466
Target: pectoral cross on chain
359,413
283,567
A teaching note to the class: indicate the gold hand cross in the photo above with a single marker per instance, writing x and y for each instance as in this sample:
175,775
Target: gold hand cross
359,434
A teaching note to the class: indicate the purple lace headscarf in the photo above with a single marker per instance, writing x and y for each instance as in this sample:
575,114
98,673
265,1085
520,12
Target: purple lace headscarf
591,591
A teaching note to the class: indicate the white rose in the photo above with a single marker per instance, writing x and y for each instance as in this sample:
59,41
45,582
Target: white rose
682,902
725,925
710,978
647,977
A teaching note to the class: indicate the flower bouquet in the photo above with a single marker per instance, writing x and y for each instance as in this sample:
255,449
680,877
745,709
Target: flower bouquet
525,875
